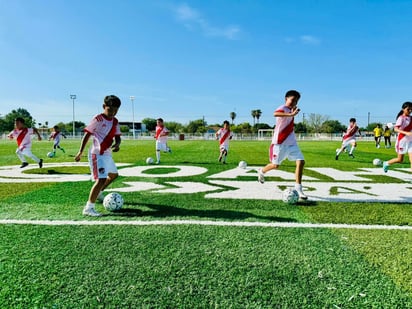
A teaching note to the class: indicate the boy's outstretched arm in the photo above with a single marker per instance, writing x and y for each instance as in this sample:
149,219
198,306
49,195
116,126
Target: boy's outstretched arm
37,132
116,146
83,143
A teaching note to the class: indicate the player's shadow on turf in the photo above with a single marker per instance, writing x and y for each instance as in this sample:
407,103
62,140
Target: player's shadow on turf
164,211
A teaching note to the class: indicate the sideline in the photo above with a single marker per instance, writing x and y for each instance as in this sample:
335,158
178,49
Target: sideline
210,223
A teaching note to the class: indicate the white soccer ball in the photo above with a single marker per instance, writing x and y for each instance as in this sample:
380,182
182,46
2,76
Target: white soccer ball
50,154
113,201
149,160
290,196
377,162
390,125
242,164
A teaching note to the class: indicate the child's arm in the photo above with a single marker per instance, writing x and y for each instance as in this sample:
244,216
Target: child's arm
83,143
38,134
407,133
294,112
117,141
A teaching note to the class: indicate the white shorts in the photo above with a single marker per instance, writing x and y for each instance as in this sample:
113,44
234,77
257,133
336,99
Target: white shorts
278,153
101,166
161,146
403,146
348,142
224,148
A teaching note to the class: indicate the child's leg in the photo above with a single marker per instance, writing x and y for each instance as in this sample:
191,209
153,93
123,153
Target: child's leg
110,178
352,149
158,156
398,159
28,153
298,178
95,190
21,156
224,155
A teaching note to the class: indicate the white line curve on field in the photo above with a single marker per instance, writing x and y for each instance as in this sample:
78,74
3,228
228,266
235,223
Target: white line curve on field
210,223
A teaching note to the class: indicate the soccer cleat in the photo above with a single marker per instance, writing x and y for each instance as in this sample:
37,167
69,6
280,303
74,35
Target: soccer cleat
336,157
157,162
352,156
169,150
385,166
24,164
62,149
100,197
302,195
91,212
41,163
261,176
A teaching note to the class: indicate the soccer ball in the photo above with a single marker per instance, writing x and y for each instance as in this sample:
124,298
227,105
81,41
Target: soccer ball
149,160
50,154
113,201
377,162
242,164
290,196
390,125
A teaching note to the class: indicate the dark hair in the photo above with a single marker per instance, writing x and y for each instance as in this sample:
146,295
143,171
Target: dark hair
352,120
404,105
226,122
112,101
159,119
56,127
292,93
19,119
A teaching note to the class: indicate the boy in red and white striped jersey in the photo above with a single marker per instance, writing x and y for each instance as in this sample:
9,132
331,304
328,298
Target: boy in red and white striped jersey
349,138
161,139
284,144
23,138
224,135
103,128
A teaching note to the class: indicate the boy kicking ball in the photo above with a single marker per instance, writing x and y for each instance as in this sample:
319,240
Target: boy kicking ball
284,144
224,135
104,128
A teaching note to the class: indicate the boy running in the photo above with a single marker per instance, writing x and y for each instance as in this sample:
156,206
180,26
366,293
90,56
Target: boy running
284,144
378,132
403,127
56,136
224,135
23,138
104,128
161,139
349,138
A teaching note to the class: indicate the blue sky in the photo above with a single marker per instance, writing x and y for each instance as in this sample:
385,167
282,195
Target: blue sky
186,60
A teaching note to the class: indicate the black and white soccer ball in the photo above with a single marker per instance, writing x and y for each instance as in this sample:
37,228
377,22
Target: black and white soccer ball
242,164
113,201
149,161
290,196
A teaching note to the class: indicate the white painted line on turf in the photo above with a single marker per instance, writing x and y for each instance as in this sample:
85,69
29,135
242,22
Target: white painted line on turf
211,223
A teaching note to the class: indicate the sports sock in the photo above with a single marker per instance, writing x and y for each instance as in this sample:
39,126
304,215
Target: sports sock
158,155
90,205
352,149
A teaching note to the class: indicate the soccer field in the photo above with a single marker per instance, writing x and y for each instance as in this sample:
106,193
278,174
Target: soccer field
194,233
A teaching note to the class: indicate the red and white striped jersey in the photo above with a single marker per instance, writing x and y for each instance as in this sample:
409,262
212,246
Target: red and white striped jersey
284,130
103,130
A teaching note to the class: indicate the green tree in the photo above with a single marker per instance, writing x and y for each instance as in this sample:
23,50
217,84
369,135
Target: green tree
8,120
233,116
174,127
258,113
150,124
372,126
301,127
253,113
196,126
332,126
78,126
315,121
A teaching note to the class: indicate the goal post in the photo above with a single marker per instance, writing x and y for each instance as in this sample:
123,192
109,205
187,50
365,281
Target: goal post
265,134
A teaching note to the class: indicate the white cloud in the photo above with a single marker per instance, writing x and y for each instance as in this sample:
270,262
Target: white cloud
309,39
193,21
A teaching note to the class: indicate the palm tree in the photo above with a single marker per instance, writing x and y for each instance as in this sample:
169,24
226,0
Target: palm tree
232,116
253,113
258,114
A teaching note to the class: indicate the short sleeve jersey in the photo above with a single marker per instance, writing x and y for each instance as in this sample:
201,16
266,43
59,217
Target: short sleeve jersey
103,130
404,123
23,137
284,130
224,136
161,130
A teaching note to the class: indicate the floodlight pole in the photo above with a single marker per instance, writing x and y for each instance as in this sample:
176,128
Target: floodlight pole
73,97
132,99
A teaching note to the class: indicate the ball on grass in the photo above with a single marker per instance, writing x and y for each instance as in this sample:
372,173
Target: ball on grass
242,164
377,162
149,160
290,196
50,154
113,201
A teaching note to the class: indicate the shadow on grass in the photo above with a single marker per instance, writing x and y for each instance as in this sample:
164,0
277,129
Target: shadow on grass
164,211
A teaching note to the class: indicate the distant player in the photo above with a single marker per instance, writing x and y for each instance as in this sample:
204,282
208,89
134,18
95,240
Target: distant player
349,138
161,139
23,138
284,144
103,128
56,136
403,127
378,132
387,133
224,135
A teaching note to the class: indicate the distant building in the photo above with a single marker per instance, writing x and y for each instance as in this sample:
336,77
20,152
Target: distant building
138,126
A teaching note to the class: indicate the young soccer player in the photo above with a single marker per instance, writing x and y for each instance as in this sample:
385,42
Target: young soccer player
284,144
224,135
387,133
103,128
403,145
349,139
56,136
161,139
378,132
23,138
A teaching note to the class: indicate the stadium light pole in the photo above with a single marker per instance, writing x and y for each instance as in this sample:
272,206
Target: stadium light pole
73,97
132,99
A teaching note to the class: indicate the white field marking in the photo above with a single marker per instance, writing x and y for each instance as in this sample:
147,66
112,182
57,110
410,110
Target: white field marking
211,223
183,171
